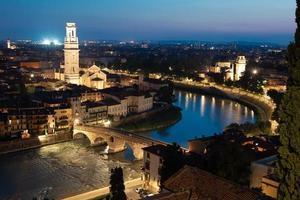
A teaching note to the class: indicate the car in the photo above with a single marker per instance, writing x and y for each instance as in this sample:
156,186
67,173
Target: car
139,190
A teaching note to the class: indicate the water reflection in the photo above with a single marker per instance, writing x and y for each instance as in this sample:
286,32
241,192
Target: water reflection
202,105
62,169
215,115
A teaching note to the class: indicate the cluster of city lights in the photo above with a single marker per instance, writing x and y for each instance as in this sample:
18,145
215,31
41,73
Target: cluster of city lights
51,41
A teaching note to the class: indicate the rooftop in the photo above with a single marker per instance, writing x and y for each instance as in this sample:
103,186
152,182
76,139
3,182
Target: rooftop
123,92
159,150
204,185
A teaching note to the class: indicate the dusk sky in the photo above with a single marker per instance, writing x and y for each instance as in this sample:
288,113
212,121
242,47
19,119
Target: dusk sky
209,20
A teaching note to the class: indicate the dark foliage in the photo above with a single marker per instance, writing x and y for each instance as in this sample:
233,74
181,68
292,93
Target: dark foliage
173,161
117,186
277,98
288,166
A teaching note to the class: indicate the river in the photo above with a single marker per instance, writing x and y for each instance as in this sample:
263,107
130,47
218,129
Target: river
75,167
202,115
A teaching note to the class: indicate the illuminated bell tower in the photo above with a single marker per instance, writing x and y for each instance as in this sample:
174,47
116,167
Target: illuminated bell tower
240,67
71,51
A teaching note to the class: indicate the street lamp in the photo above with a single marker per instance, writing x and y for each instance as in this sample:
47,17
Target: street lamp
254,71
76,122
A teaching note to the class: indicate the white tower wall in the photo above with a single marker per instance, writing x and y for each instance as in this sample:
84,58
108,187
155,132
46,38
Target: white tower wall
8,45
240,67
71,54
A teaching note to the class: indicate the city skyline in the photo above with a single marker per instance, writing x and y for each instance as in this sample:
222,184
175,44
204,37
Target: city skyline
148,20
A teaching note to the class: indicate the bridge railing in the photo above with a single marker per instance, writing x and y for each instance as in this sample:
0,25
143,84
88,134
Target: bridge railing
121,132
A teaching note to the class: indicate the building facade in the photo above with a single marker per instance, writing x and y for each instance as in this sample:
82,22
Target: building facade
233,70
153,161
263,176
71,72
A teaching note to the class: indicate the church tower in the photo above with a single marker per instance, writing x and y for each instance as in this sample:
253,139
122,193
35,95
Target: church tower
8,45
71,51
240,67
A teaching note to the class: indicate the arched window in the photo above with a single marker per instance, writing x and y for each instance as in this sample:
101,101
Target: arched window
112,139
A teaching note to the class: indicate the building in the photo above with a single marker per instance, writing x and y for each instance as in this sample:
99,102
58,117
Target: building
239,67
232,70
8,45
146,84
90,95
63,119
93,77
200,145
191,183
263,176
71,54
153,161
71,72
116,109
135,101
35,120
93,112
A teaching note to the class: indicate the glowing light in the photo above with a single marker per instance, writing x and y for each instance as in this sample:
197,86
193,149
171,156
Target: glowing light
56,42
76,121
202,107
52,41
254,71
46,42
107,123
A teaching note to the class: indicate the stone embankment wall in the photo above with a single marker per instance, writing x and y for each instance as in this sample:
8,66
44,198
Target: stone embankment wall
262,105
140,116
19,145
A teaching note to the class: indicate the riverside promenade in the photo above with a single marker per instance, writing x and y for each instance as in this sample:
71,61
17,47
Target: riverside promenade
260,103
130,187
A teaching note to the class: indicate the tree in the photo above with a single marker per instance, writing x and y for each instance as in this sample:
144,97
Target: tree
165,94
173,161
288,166
117,186
228,159
252,82
277,98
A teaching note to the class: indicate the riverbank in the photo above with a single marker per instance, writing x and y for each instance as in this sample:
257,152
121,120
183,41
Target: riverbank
257,103
165,118
130,187
32,143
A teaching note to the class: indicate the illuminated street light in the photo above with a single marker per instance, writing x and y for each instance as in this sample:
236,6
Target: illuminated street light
76,121
254,71
107,123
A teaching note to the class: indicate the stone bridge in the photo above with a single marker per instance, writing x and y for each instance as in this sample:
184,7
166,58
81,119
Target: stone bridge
116,139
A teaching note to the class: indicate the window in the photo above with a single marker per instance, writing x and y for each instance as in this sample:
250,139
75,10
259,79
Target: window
148,155
147,165
111,139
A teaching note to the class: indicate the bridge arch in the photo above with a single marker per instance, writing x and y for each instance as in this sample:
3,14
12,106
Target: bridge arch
89,136
115,139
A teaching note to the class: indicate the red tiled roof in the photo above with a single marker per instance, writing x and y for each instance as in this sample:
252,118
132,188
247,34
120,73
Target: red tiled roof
204,185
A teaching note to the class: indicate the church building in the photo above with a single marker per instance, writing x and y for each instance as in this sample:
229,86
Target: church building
71,72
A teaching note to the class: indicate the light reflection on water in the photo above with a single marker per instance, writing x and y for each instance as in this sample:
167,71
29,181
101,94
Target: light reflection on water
75,167
202,115
65,169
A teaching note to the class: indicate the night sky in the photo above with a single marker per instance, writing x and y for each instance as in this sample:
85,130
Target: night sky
210,20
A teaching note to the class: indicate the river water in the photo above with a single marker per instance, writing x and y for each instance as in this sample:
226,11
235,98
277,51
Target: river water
74,167
61,170
202,116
